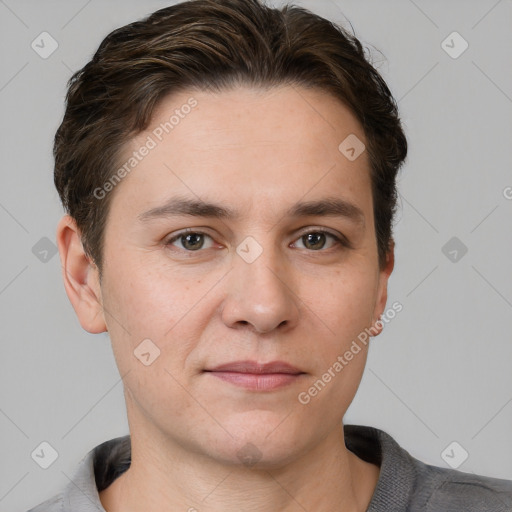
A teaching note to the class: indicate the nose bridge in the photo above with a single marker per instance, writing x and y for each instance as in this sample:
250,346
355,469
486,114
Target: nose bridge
259,291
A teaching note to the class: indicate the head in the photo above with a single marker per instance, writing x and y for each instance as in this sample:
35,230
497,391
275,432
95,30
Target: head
238,123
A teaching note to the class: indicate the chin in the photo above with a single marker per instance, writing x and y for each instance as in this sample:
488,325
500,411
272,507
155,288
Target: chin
260,441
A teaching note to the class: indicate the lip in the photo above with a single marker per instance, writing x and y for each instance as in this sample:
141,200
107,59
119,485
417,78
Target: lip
257,376
256,368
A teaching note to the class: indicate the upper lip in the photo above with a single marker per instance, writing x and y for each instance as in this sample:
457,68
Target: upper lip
257,368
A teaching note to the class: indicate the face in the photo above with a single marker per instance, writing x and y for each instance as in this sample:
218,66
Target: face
282,268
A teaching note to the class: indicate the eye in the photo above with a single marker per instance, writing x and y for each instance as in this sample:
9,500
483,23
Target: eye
190,241
313,240
316,240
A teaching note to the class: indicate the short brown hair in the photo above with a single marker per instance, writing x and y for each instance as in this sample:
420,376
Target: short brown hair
215,46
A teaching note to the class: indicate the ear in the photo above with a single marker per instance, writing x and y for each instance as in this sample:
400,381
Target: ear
81,277
382,293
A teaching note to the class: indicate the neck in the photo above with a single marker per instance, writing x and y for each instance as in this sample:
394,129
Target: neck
326,479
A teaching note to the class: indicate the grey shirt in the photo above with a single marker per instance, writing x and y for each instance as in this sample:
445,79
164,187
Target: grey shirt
405,483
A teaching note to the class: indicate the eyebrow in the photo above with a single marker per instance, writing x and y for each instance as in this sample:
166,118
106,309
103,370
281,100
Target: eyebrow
326,207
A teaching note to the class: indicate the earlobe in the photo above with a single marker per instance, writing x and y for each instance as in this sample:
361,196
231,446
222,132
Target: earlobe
81,277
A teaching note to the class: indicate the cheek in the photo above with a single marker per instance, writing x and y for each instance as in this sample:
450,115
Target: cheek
147,300
342,308
155,302
343,301
143,306
138,306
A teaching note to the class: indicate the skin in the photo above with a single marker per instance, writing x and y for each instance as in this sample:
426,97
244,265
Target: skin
258,152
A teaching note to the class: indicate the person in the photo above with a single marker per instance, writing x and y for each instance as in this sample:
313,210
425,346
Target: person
228,172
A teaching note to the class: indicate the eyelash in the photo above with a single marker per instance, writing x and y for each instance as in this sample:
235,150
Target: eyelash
339,241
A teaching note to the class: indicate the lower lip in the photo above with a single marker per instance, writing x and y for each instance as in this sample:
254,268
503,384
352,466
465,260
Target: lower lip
259,381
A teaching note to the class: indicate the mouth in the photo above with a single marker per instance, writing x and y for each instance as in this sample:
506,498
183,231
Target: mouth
257,376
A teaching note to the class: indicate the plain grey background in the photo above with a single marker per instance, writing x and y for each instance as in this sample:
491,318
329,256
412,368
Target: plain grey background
440,372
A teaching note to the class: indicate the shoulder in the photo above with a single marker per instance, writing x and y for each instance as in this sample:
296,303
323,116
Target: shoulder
407,484
447,489
97,469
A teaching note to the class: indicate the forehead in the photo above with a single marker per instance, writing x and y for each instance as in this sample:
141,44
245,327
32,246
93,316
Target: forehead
263,144
287,114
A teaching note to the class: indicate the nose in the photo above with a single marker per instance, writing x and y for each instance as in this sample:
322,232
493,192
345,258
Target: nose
261,293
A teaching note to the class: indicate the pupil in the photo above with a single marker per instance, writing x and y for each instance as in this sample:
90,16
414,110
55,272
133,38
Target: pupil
195,238
314,238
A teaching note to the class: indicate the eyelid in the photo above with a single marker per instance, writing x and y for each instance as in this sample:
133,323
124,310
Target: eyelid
319,229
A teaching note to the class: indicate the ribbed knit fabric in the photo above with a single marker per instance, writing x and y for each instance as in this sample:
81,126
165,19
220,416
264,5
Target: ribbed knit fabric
405,483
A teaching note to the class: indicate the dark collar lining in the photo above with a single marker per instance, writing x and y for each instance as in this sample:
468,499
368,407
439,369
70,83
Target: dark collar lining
111,459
